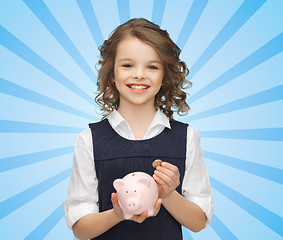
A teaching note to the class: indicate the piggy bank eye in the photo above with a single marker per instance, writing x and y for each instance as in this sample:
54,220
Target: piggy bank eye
133,174
126,191
135,191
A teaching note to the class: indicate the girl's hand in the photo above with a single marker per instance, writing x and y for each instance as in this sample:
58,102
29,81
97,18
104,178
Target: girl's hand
167,177
140,218
117,209
137,218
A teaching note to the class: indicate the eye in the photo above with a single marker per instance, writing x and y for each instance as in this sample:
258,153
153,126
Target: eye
135,191
126,191
127,65
152,67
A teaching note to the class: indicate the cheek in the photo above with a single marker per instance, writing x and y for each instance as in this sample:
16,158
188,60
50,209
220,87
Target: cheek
159,80
161,76
120,76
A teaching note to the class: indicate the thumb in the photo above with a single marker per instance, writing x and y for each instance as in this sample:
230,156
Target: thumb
117,209
114,199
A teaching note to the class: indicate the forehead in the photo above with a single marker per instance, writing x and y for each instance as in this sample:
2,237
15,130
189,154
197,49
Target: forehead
132,47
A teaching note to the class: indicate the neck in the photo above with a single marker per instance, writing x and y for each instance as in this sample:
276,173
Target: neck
138,117
137,114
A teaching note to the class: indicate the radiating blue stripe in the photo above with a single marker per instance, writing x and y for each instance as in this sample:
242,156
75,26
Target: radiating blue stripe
191,20
158,11
47,225
240,17
124,10
26,159
269,95
41,11
265,134
26,127
270,173
186,234
270,219
221,230
12,43
261,55
15,90
91,20
17,201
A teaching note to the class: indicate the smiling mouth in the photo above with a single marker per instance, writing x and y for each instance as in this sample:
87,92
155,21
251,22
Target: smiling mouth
138,86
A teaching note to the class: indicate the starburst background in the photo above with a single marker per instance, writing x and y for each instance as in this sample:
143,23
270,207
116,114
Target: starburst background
48,52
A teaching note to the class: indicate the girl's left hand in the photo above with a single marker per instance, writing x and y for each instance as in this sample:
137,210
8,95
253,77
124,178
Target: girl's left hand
167,177
137,218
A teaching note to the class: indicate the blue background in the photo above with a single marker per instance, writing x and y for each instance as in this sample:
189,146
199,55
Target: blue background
48,52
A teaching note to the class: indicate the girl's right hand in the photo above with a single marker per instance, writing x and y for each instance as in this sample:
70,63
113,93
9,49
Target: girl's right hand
137,218
117,209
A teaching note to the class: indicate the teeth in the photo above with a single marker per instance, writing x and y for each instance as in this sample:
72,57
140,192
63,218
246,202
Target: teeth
138,87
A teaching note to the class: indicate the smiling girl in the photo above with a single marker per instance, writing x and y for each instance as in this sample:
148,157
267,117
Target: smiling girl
140,84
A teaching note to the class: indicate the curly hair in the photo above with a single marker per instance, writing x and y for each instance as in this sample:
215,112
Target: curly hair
171,97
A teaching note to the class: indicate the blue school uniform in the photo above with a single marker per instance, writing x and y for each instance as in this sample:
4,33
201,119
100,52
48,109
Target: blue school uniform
115,157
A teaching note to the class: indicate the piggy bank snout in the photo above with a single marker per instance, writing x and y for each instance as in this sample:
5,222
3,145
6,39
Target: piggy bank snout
133,204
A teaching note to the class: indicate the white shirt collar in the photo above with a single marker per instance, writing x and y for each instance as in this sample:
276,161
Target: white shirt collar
115,119
160,119
120,125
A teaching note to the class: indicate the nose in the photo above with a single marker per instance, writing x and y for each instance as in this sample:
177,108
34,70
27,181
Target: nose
132,204
139,74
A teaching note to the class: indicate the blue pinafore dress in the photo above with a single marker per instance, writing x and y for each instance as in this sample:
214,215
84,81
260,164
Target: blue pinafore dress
115,157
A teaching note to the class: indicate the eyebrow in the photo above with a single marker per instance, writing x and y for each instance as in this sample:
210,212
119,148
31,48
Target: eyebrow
130,59
155,61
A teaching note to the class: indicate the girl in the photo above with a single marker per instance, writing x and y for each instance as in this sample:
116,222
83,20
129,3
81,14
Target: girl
140,86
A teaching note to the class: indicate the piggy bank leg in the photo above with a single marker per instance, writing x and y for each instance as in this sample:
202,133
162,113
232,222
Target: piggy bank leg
128,216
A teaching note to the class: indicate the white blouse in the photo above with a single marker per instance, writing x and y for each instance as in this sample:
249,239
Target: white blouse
82,198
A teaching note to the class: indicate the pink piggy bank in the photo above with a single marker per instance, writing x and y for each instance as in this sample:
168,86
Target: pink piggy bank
137,192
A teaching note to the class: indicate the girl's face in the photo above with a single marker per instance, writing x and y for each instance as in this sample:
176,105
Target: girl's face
138,72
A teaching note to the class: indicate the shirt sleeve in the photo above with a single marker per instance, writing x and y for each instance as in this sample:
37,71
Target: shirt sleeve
196,185
82,195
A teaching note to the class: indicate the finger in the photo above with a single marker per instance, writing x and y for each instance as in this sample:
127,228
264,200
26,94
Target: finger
161,182
171,167
114,200
166,179
168,173
170,170
157,206
140,218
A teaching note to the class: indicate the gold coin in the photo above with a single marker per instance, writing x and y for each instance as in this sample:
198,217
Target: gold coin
156,163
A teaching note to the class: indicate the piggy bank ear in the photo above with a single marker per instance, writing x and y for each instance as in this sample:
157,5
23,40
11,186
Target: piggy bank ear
144,181
118,184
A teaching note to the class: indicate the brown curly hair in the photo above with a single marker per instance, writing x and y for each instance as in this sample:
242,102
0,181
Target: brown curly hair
170,98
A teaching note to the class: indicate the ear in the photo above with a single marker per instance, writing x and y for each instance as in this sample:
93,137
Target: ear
144,181
118,184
